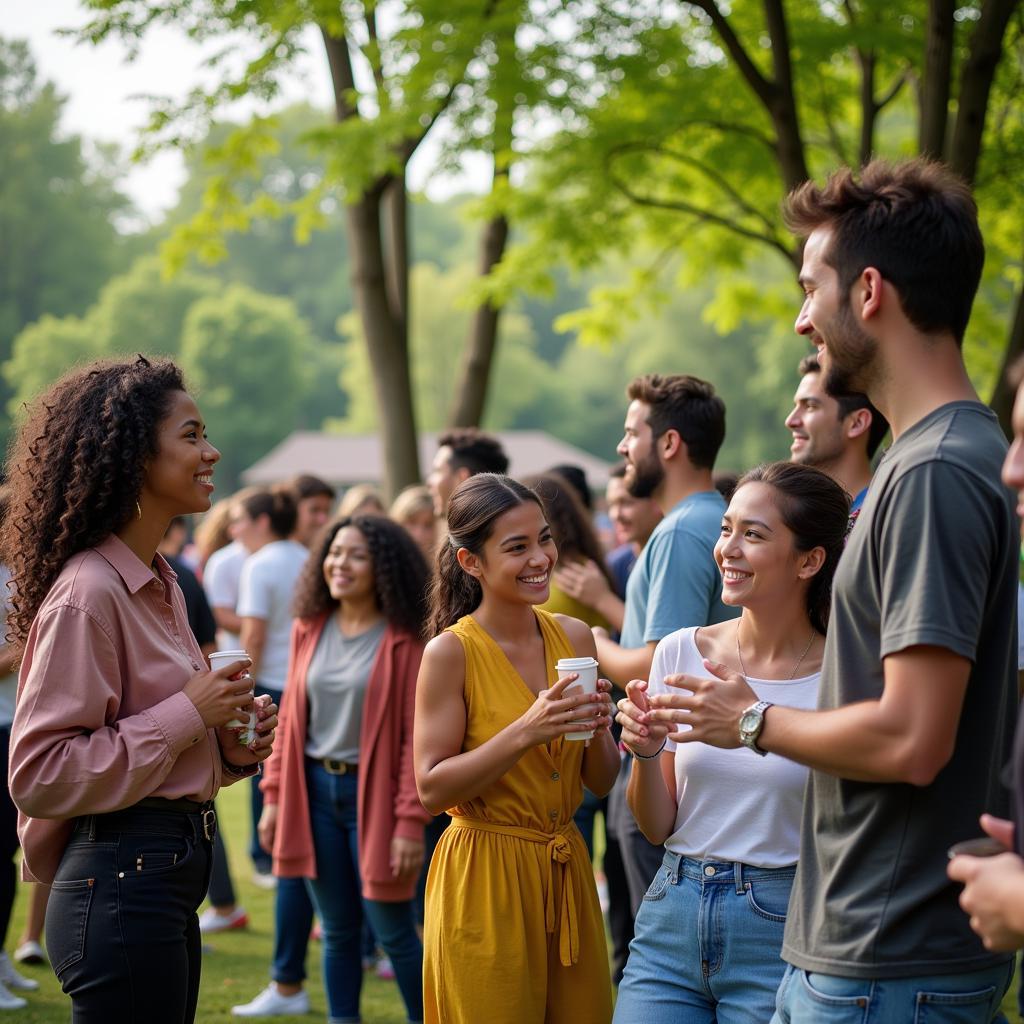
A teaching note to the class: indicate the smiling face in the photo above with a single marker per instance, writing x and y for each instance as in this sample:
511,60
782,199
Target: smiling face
644,471
516,562
846,352
756,553
818,437
179,478
348,567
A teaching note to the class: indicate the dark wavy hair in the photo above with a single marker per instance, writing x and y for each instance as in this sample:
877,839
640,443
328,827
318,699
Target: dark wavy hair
573,532
816,510
399,573
474,506
76,470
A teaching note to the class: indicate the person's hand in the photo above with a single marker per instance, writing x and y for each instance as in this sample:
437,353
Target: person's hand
554,713
267,827
582,581
712,708
217,695
1000,829
993,897
640,732
406,858
604,689
262,746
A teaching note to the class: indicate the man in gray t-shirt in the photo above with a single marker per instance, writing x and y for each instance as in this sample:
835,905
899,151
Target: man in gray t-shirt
918,689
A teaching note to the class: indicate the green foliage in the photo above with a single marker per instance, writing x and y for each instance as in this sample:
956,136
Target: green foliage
246,356
57,208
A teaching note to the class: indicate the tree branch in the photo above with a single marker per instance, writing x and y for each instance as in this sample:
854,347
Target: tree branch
342,80
763,88
703,215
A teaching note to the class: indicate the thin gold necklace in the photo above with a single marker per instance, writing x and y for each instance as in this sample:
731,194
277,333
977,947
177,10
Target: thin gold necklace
799,661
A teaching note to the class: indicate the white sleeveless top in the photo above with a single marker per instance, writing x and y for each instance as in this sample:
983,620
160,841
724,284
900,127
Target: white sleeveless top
734,805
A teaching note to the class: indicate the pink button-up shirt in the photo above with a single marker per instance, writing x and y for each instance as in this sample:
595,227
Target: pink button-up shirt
101,720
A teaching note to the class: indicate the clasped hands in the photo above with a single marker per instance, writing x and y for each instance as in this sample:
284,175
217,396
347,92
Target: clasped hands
708,709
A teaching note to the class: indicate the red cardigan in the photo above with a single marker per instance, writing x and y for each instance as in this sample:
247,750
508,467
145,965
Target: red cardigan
388,802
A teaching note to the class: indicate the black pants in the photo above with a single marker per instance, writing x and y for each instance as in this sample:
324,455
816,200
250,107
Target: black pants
121,926
8,842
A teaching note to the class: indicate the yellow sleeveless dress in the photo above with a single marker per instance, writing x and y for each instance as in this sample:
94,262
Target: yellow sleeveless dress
514,933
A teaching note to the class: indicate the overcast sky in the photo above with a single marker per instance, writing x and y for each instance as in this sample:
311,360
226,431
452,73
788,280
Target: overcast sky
100,85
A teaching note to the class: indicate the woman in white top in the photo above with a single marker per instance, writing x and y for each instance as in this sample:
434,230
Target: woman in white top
709,931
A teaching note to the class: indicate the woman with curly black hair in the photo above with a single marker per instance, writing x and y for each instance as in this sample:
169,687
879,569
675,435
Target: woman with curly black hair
119,741
340,802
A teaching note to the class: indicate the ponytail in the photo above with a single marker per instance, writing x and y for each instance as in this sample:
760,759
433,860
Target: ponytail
453,592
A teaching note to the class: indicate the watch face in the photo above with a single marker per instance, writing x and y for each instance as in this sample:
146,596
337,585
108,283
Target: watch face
749,721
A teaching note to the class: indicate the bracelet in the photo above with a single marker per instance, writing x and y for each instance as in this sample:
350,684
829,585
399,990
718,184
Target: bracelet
650,757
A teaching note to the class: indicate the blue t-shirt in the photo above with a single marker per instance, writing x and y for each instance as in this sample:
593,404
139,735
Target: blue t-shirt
676,583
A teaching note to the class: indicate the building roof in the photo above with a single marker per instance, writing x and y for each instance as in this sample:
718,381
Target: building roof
346,459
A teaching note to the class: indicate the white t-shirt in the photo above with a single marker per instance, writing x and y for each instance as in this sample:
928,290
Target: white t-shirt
266,591
734,805
221,580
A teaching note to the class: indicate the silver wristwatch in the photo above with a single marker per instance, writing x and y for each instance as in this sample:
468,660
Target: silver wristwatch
751,724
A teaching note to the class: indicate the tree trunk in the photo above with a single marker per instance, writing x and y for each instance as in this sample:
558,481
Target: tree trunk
470,397
938,63
1003,393
396,209
868,105
782,105
976,75
386,344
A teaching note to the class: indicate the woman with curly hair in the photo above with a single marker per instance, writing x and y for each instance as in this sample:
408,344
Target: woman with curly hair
340,803
119,742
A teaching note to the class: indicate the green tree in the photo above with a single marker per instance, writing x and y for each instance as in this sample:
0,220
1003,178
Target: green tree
245,354
703,116
58,243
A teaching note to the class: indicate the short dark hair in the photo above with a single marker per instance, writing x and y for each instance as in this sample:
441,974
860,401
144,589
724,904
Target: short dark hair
305,485
916,222
851,401
278,504
474,450
688,405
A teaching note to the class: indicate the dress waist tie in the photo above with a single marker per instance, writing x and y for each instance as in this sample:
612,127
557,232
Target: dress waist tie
559,851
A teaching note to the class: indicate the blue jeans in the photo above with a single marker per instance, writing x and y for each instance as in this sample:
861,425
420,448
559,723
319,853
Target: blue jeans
337,895
971,998
706,945
121,926
293,921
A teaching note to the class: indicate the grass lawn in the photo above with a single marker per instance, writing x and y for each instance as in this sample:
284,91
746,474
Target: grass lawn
237,968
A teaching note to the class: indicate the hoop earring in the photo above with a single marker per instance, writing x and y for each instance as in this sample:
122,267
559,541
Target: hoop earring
138,509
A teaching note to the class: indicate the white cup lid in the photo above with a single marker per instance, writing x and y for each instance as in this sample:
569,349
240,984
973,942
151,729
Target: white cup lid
234,655
574,664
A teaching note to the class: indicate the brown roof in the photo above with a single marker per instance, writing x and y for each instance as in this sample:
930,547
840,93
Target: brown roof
345,459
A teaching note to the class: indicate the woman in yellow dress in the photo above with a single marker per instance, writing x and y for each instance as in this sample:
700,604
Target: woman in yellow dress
514,933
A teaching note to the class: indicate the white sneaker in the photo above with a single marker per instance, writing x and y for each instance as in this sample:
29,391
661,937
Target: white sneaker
9,1001
10,978
212,920
30,953
264,880
271,1003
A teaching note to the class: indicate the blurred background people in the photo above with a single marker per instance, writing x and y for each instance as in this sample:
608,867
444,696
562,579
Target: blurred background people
462,453
414,509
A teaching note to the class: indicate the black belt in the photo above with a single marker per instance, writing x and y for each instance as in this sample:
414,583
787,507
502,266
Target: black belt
333,767
182,807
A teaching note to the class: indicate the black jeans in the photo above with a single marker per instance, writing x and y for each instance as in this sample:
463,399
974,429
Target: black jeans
8,842
121,926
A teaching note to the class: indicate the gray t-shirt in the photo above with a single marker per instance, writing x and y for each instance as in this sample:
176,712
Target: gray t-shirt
933,560
336,685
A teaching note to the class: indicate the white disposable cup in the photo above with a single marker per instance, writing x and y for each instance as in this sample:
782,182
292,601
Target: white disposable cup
246,721
586,668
